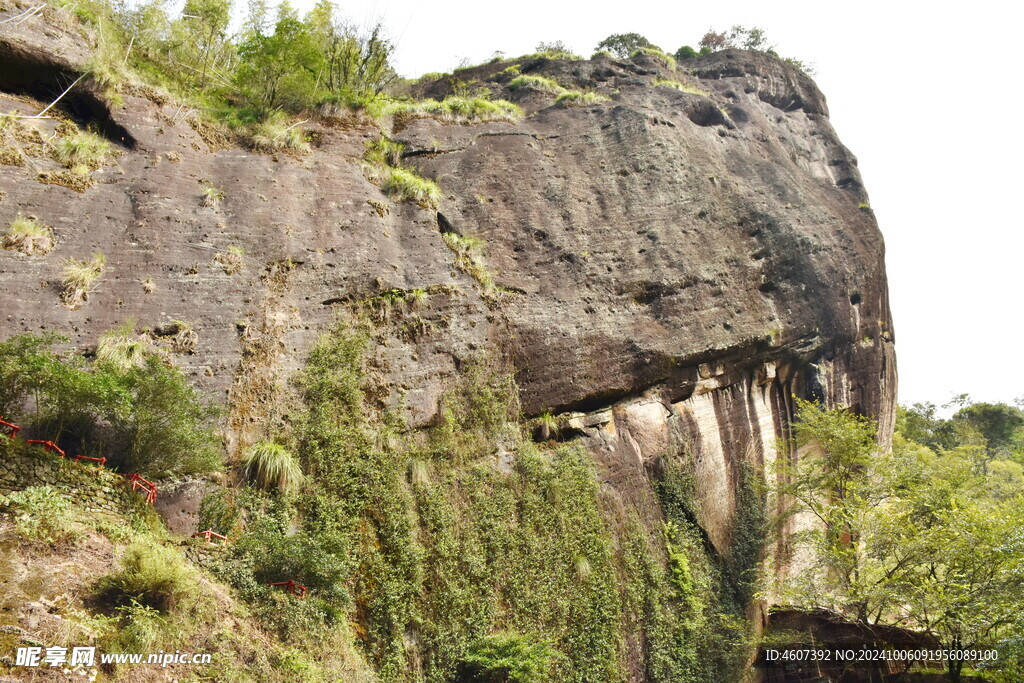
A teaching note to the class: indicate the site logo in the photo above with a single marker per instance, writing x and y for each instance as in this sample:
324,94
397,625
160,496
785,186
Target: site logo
86,656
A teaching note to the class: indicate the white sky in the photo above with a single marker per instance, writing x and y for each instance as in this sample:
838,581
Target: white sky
926,98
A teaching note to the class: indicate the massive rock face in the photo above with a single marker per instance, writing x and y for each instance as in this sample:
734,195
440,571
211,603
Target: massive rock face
675,265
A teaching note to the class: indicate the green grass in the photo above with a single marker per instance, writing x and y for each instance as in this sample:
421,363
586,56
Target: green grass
121,349
667,60
29,236
82,149
459,110
404,185
602,54
538,83
384,151
80,279
682,87
575,98
272,466
276,134
469,258
41,513
150,575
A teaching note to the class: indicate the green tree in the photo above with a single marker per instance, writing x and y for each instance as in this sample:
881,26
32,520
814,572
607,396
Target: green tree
356,65
280,69
623,45
201,43
927,541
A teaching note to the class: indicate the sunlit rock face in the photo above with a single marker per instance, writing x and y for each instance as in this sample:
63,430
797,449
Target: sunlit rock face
672,265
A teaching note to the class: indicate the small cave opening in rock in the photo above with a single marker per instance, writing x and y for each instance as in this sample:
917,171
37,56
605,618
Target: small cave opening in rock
30,75
706,114
444,226
856,298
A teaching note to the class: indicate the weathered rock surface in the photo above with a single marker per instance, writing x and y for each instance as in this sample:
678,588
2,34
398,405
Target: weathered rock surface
677,265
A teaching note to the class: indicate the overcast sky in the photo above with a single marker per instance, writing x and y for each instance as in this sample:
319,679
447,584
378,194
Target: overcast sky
926,98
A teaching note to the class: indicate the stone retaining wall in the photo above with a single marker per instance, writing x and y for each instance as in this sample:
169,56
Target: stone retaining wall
90,486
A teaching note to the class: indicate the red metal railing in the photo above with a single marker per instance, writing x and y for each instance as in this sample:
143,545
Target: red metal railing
291,588
9,429
140,484
47,446
209,535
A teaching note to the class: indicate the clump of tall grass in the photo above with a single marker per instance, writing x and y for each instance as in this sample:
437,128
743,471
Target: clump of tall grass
83,149
122,349
667,60
384,152
575,98
275,134
402,184
80,279
459,110
150,575
29,236
470,259
270,465
538,83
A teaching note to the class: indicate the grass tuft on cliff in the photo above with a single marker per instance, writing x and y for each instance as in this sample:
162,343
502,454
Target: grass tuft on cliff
80,279
83,149
272,466
580,99
404,185
538,83
667,60
459,110
27,235
469,258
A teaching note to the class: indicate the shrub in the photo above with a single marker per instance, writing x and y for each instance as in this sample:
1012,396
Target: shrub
685,52
80,279
151,576
668,61
601,54
272,466
82,149
539,83
29,236
41,513
624,44
508,658
404,185
682,87
580,99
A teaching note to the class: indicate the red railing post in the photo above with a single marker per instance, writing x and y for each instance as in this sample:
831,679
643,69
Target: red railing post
9,429
46,446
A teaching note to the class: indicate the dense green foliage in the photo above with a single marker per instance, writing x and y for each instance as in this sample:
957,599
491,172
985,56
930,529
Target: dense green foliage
130,404
928,540
622,45
468,552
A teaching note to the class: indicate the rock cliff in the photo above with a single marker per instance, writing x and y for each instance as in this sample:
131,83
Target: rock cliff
672,265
